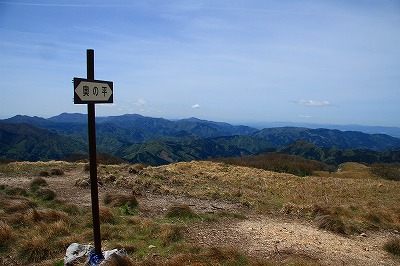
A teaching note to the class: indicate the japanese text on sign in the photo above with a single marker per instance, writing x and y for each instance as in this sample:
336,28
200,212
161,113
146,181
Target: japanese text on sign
96,91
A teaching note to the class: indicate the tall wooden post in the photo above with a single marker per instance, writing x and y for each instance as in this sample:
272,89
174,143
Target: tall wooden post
92,158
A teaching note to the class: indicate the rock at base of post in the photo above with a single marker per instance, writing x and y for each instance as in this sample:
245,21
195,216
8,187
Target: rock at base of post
78,253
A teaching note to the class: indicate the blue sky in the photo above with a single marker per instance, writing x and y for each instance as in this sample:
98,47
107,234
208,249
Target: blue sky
335,62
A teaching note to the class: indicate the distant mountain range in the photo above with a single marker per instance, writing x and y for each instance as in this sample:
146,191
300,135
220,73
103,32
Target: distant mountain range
391,131
159,141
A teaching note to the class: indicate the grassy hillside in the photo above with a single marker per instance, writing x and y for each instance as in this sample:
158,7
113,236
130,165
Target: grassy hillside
279,162
35,229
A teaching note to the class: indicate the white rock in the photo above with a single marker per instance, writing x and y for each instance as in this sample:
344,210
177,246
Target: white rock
77,253
108,255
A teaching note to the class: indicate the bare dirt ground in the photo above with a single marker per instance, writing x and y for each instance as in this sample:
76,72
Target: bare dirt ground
263,236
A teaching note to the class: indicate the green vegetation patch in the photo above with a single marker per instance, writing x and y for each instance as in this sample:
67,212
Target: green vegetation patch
387,171
279,162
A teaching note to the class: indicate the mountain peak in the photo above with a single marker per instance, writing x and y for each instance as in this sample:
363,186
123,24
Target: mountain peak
69,118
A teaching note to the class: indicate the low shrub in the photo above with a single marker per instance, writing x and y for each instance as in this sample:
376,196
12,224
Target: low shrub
331,223
44,173
37,182
393,246
387,171
56,171
136,168
16,191
180,211
45,193
82,182
119,200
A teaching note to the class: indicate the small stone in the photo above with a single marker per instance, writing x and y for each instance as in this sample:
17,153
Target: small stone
77,253
363,234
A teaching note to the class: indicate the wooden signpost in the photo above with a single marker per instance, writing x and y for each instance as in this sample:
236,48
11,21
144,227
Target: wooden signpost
90,91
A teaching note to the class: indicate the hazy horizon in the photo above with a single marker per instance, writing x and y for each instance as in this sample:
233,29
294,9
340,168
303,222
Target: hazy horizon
252,123
317,62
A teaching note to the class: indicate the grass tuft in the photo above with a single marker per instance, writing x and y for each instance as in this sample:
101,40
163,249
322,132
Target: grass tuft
331,223
45,193
136,168
180,211
47,215
6,234
16,191
56,171
393,246
13,204
227,254
170,234
118,261
44,173
118,200
37,182
106,215
35,248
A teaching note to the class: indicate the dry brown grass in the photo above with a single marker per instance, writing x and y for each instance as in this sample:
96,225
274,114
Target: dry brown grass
331,223
6,234
356,200
45,193
136,168
37,183
169,234
106,215
118,200
35,248
12,204
56,171
15,190
348,194
180,211
47,215
119,261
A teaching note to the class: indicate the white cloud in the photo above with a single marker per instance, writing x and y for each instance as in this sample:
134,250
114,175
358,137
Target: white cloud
140,102
313,103
305,116
112,105
196,106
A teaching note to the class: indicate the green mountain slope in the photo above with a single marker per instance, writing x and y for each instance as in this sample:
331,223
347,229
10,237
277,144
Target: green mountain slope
191,148
158,141
329,138
26,142
335,156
